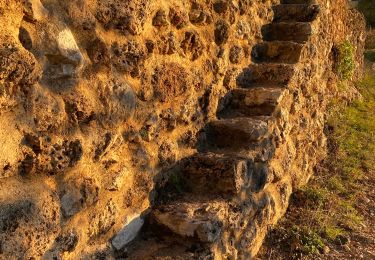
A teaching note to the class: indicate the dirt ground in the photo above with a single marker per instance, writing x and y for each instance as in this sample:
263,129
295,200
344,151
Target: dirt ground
361,244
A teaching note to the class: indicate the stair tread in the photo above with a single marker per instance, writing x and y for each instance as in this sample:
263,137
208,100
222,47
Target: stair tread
306,2
281,43
265,84
297,5
259,152
259,94
153,246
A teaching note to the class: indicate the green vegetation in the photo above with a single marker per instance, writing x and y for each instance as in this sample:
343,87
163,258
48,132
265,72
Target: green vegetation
345,67
325,212
310,242
367,7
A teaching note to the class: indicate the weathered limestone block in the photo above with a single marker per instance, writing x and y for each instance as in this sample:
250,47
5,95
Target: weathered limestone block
243,131
47,109
278,52
192,220
250,102
266,75
30,223
17,67
296,13
214,174
297,31
34,11
118,100
103,220
79,194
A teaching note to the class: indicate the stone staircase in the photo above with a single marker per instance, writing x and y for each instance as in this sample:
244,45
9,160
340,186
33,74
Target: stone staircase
215,203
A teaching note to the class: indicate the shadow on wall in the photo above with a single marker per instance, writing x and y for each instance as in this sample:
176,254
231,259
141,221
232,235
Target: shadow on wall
367,7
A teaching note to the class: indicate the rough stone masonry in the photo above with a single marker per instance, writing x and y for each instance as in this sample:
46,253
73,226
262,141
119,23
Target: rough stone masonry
148,129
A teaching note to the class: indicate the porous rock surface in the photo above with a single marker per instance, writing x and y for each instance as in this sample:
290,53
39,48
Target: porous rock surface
160,129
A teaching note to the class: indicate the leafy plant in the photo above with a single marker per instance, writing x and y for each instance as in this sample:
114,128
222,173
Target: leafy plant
308,242
346,63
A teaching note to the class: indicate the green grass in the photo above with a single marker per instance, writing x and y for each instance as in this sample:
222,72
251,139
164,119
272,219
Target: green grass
346,63
325,211
310,242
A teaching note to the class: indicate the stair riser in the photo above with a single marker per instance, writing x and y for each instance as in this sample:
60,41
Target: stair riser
296,32
265,75
236,136
210,174
295,13
277,52
251,102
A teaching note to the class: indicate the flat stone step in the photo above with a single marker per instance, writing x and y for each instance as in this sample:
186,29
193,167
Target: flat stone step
277,52
295,31
201,221
295,13
266,74
258,101
235,133
306,2
212,174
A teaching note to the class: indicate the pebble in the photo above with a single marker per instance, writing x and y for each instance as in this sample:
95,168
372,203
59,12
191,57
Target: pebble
128,232
326,250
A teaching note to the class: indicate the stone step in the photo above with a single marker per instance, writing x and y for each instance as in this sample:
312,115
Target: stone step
258,101
212,174
277,52
192,220
306,2
295,31
265,74
235,133
295,13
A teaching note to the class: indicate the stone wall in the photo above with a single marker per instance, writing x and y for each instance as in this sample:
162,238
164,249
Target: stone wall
98,99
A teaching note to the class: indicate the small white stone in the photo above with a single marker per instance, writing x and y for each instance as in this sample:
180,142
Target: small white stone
68,47
128,232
